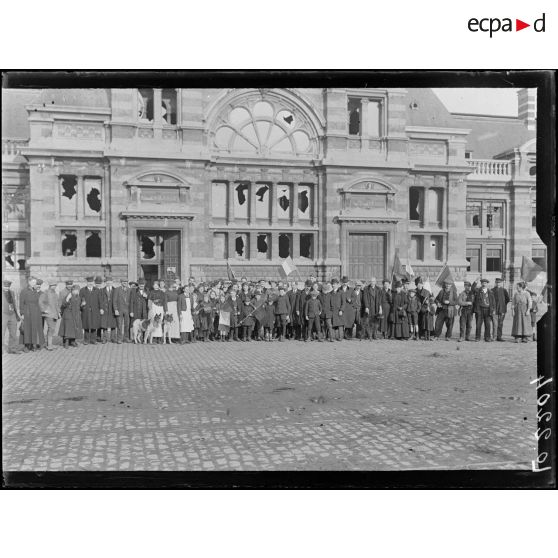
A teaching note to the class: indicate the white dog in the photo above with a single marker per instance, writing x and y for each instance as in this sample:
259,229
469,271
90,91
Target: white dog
145,328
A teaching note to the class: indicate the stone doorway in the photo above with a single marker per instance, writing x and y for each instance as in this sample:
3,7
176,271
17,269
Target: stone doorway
366,256
158,254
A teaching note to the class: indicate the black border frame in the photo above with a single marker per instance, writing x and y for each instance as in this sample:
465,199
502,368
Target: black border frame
543,80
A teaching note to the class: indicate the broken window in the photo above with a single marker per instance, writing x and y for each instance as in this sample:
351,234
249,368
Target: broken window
494,216
241,246
415,202
145,104
219,200
304,195
68,194
263,246
307,246
355,111
283,201
241,201
92,244
14,254
284,245
262,201
168,106
14,203
473,214
220,246
147,247
69,244
436,248
92,188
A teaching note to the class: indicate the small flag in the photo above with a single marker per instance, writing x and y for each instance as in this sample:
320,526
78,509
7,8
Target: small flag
444,277
409,269
230,272
224,318
529,269
288,266
398,269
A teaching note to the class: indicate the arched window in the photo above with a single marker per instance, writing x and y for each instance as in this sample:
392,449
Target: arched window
262,128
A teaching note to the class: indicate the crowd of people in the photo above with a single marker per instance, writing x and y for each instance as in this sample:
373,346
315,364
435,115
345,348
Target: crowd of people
231,310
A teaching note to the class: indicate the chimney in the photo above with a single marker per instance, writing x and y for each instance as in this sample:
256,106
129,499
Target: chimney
527,107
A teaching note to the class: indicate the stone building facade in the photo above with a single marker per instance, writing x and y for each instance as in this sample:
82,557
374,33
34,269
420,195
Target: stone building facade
176,182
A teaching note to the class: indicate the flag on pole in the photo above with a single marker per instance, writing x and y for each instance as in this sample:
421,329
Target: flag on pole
398,269
288,266
409,269
444,277
529,269
230,272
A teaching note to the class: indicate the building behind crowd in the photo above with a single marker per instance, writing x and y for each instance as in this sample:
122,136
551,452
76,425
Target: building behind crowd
174,182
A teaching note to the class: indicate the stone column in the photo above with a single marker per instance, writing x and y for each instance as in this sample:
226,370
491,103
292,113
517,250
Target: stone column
81,197
251,203
231,244
230,202
273,200
314,200
274,245
294,203
425,207
295,245
252,245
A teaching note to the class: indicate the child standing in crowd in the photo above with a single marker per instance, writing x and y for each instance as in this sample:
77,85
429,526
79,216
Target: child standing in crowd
282,311
206,317
413,313
312,311
223,327
259,311
268,319
234,308
533,312
430,317
247,313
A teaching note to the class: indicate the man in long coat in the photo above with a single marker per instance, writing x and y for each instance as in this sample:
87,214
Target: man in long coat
446,300
501,301
385,303
371,309
349,313
30,312
90,311
337,306
302,298
50,310
70,322
108,318
484,305
139,302
121,310
10,317
398,317
422,295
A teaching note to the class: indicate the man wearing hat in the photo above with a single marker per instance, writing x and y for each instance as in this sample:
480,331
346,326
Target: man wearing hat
483,305
446,300
66,290
50,310
121,308
422,295
10,317
108,317
501,300
337,304
30,312
327,312
466,300
301,299
349,312
139,302
371,309
90,310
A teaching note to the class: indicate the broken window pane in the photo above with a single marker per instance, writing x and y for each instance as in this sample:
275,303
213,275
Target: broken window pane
219,199
494,216
241,246
307,246
68,194
304,196
69,244
220,246
262,201
168,106
147,247
473,214
241,201
284,245
14,254
92,244
283,201
145,104
263,245
415,195
92,187
354,109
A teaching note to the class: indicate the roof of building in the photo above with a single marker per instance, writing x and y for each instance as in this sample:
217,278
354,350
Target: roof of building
14,116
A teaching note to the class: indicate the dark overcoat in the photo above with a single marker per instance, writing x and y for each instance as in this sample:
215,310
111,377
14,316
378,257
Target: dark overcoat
121,300
32,319
357,305
90,311
371,299
70,324
337,304
398,315
247,306
349,311
138,304
385,303
108,319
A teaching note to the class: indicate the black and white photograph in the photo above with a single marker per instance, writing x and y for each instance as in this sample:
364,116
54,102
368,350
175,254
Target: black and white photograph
315,277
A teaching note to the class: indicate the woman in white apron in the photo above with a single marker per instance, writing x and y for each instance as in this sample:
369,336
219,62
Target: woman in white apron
172,300
158,306
184,307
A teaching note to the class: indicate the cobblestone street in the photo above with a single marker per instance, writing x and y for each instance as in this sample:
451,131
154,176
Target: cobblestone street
384,405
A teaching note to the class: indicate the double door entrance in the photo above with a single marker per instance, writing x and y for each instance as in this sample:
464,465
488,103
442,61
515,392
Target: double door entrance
366,256
158,255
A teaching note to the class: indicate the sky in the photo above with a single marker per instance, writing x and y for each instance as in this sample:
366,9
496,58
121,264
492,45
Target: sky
501,102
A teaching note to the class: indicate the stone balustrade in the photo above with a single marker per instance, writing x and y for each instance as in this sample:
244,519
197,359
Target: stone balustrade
490,167
12,147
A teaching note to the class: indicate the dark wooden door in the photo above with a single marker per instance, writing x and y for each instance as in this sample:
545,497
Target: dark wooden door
170,252
150,273
367,255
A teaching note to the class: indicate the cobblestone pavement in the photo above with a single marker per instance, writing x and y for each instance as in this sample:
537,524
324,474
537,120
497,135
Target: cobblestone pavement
384,405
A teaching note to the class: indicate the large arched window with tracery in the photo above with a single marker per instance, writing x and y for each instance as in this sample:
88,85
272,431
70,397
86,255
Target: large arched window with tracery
264,127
